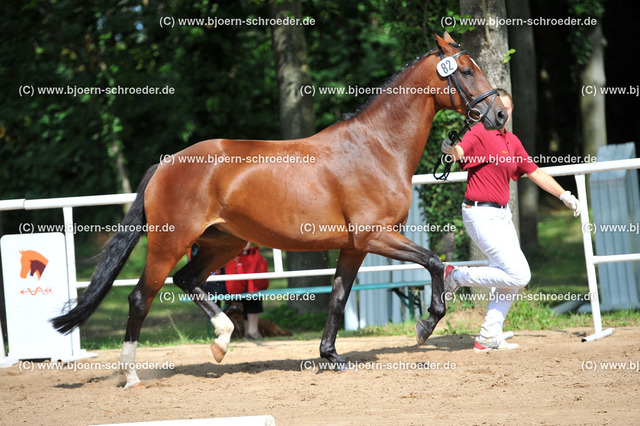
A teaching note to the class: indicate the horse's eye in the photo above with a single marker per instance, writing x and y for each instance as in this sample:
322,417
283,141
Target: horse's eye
467,72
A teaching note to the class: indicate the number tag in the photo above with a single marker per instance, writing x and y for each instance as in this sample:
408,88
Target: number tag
447,66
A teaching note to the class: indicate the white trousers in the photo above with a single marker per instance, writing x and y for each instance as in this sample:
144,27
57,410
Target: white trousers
493,231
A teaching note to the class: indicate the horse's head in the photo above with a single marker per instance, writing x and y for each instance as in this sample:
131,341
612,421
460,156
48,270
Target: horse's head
467,89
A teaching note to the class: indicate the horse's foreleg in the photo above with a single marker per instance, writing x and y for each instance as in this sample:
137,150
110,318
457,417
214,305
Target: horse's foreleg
397,246
348,264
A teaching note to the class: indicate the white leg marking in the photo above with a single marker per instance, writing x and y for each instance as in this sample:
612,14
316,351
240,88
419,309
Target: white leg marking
223,328
127,361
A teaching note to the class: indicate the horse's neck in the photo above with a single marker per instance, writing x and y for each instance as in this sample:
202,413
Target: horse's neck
401,121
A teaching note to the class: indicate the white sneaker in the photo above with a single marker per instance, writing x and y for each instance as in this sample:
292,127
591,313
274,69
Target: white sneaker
506,335
450,285
483,344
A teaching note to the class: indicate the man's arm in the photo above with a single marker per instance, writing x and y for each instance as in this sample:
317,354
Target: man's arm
549,184
546,182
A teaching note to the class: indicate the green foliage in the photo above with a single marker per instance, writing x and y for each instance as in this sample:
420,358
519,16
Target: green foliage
414,23
290,319
530,315
223,81
442,202
579,37
350,45
507,56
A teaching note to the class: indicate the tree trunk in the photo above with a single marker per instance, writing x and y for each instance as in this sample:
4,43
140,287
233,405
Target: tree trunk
125,183
488,45
523,73
592,108
297,120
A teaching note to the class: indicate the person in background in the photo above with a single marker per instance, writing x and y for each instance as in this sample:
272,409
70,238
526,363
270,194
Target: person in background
248,261
493,158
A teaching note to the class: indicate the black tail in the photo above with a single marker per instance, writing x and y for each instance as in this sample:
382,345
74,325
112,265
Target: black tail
113,257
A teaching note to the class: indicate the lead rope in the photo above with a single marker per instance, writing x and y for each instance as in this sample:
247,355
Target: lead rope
447,160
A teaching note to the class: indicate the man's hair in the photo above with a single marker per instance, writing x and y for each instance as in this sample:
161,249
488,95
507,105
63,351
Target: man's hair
503,92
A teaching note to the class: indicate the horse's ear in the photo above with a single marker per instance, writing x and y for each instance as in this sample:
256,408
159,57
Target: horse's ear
449,39
439,41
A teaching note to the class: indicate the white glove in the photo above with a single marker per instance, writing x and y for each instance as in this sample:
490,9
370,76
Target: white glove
571,202
447,148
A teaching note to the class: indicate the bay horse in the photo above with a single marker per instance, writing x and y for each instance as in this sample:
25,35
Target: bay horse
361,175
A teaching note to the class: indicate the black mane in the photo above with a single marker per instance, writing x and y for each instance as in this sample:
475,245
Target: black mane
350,115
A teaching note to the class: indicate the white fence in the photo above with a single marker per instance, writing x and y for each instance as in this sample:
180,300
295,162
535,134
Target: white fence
578,170
615,201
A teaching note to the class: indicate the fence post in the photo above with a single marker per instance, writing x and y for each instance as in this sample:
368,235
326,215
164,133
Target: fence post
588,255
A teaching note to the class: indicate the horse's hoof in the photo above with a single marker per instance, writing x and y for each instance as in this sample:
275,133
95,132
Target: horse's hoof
138,385
337,362
422,331
218,352
340,366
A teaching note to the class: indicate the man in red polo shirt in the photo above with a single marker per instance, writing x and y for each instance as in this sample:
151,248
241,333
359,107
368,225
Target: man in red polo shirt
493,158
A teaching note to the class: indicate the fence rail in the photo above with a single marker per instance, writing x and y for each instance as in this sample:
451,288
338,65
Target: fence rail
578,170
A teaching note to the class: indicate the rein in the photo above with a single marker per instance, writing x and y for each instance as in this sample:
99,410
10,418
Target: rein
447,67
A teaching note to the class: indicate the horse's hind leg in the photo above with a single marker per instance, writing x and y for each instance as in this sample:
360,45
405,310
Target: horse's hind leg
161,258
215,249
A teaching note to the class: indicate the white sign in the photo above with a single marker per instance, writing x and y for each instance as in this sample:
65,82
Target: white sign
447,66
36,288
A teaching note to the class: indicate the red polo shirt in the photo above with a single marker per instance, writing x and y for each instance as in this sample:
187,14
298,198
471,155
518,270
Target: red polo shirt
492,158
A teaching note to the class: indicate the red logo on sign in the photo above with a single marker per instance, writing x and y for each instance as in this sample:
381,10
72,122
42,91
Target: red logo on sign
40,290
32,263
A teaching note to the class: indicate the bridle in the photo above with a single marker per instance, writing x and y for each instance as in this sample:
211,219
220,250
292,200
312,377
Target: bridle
447,67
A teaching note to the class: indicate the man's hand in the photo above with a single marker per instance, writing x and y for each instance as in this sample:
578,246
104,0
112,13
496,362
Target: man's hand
572,202
447,148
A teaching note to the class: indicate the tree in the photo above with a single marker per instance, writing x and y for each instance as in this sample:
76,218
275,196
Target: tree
297,120
489,45
524,78
413,23
588,46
